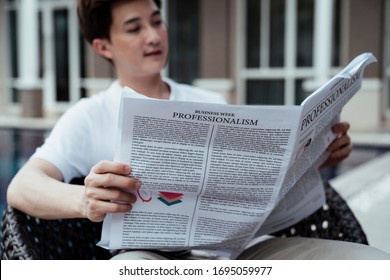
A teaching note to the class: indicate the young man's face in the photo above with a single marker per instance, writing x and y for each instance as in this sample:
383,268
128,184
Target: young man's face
139,39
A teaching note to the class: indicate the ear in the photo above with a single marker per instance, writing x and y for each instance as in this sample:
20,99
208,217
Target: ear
102,47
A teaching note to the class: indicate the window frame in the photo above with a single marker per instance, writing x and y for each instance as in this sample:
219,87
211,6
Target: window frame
78,84
290,72
386,61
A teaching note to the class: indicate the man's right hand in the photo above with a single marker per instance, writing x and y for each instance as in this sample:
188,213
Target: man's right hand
107,189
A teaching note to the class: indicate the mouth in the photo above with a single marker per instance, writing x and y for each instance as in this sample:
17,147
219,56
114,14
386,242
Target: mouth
153,53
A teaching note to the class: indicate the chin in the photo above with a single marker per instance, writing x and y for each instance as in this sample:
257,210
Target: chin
156,68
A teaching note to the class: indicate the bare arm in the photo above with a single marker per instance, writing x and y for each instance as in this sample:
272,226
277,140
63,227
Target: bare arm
37,189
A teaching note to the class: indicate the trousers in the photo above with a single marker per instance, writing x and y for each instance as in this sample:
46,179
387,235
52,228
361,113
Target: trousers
294,248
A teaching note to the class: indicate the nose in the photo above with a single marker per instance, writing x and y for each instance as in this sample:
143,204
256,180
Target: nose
153,36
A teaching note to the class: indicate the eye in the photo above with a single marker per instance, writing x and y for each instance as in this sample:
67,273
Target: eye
157,23
133,29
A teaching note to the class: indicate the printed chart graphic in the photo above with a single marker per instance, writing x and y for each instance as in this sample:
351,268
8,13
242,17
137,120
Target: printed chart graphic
170,198
145,196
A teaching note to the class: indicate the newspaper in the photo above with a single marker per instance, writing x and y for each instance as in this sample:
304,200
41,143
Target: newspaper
216,176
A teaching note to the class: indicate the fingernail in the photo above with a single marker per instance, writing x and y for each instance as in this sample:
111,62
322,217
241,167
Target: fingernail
127,169
138,185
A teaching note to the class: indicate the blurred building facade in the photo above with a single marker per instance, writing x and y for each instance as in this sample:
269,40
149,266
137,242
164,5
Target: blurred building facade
253,51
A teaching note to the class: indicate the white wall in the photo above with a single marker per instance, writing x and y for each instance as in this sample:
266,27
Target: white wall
2,57
363,110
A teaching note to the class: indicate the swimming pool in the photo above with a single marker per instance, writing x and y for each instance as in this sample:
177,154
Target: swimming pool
16,146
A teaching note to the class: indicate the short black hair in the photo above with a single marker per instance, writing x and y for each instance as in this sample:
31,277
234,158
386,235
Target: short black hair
95,17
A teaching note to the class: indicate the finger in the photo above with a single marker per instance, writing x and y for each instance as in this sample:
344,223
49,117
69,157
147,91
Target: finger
110,194
338,143
112,180
105,166
342,153
341,127
96,210
337,157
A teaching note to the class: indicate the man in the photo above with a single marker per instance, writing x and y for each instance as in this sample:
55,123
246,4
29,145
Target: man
132,35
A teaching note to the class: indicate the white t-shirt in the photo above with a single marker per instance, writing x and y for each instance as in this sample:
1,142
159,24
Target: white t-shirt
85,134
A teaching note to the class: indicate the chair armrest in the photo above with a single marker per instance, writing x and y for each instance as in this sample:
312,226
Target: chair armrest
25,237
335,220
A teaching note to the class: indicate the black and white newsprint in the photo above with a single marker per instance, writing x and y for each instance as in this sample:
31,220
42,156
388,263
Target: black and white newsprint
216,176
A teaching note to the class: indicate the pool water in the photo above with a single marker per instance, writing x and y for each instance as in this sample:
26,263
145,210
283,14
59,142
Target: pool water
16,146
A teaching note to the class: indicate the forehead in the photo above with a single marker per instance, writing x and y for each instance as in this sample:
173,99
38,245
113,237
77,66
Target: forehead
128,9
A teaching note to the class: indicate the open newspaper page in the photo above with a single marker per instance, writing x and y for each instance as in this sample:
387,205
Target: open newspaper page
210,173
320,111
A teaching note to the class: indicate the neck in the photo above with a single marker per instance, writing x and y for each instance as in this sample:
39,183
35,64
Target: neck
153,87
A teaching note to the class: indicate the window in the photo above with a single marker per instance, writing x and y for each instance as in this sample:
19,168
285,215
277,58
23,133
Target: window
61,43
183,25
58,37
13,45
278,49
64,65
61,46
387,56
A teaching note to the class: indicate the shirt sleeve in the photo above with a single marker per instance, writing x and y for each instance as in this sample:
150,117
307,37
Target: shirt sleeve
67,144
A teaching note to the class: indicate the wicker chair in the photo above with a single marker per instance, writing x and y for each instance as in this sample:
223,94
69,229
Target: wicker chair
25,237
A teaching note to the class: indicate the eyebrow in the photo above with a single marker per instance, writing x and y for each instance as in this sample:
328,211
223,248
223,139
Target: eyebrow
132,20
